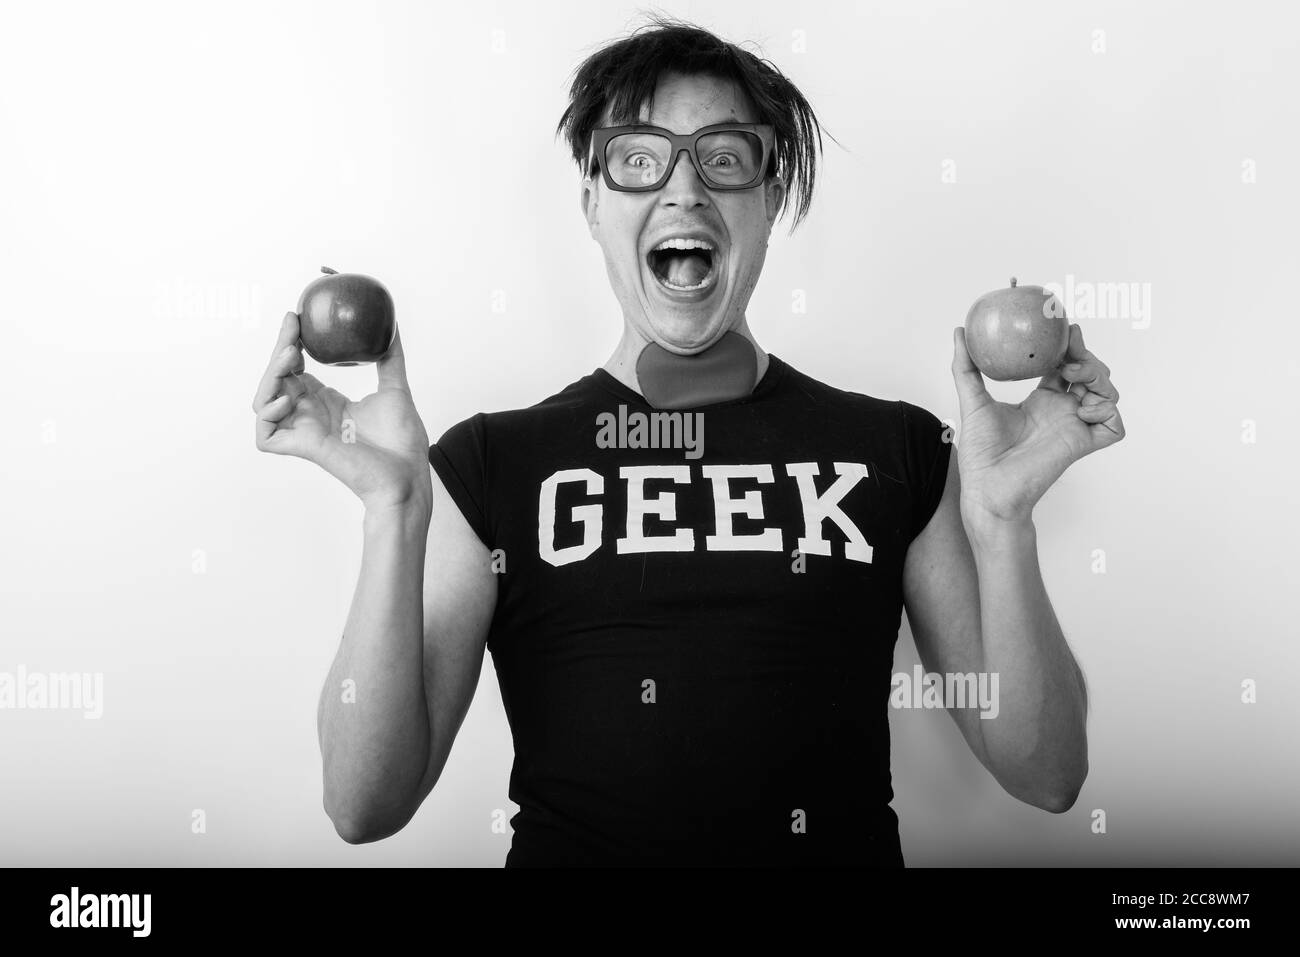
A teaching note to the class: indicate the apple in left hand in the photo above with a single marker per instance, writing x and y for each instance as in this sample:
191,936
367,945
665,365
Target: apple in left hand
1017,333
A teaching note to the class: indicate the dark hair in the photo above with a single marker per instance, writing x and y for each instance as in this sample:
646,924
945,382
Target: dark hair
622,75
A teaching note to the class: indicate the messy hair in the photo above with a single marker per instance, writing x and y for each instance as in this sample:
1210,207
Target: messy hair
622,76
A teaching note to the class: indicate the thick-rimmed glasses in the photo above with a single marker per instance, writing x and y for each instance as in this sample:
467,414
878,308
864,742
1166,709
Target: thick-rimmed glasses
637,159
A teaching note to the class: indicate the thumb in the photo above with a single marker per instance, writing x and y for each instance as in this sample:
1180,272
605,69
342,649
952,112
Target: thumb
971,394
392,367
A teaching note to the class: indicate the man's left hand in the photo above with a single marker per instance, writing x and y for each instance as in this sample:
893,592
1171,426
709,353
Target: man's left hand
1011,454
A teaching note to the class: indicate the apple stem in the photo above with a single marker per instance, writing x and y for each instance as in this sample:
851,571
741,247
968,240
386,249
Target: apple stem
335,272
1013,281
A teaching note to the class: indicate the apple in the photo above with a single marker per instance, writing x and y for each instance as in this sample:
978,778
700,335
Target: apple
346,319
1017,333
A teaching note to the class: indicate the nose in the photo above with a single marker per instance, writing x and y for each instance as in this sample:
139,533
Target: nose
684,188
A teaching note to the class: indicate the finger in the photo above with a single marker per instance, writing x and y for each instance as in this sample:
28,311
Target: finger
1105,419
299,384
269,436
392,367
272,384
288,335
290,332
1084,370
279,442
1053,382
1075,355
276,410
1077,352
1089,375
292,385
286,362
1098,411
971,393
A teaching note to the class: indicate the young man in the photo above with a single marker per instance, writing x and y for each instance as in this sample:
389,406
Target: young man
690,565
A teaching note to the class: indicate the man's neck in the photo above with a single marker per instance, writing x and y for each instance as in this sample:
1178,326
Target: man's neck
622,364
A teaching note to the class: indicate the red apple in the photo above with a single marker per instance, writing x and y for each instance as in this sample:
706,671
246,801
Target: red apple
1017,333
346,319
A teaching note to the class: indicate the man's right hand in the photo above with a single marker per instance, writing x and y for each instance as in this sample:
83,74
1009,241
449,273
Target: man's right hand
377,447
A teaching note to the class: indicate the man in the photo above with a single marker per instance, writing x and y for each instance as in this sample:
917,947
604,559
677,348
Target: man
692,627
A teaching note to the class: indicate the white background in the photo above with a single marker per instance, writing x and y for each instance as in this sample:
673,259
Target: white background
172,175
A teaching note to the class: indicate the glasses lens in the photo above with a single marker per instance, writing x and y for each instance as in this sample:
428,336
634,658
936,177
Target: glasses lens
730,157
637,159
727,158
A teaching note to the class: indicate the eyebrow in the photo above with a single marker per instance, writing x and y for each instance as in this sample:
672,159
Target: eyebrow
729,120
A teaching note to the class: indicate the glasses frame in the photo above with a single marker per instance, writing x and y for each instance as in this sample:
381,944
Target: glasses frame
681,143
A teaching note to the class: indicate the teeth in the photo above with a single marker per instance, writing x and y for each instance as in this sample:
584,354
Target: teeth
706,281
679,243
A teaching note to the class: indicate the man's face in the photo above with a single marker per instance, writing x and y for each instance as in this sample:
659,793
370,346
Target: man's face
736,223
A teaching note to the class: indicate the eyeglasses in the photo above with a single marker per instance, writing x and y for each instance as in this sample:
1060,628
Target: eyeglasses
637,159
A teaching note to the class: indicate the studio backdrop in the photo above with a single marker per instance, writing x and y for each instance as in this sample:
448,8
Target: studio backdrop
175,174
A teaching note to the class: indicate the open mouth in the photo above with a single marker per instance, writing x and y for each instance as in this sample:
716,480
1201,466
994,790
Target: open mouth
684,265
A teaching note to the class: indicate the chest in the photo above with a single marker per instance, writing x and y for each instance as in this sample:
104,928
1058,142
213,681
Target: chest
794,541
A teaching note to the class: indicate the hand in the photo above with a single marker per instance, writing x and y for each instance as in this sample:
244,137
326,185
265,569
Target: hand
377,447
1011,454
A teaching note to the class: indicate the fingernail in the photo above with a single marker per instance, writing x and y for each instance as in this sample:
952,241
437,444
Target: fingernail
1073,367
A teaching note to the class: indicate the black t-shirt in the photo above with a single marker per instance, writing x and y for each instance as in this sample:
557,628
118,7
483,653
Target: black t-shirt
695,644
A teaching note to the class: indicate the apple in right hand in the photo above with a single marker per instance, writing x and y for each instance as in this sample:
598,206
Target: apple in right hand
347,319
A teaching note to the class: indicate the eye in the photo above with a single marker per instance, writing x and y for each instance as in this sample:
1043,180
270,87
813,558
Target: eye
723,160
644,157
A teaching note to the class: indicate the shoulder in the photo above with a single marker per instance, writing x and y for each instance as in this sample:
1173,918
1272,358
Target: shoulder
898,417
902,434
555,411
836,400
920,423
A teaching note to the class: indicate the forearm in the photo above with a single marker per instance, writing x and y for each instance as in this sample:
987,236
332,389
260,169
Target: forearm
373,716
1037,744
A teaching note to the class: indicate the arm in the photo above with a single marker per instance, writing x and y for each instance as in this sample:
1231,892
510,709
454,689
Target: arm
972,586
976,603
413,645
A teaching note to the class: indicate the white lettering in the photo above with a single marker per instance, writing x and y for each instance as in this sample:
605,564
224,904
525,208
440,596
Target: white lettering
591,517
751,506
817,510
665,506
